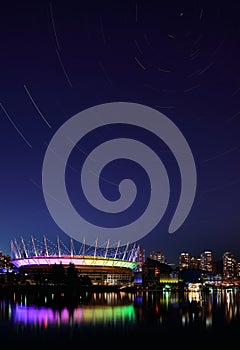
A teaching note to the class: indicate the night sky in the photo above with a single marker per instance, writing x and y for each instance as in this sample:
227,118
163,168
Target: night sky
180,58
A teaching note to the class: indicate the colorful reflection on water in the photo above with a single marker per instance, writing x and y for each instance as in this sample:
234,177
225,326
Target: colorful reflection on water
179,310
87,315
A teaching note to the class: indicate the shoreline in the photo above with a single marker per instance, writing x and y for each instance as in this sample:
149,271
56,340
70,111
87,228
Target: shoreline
63,289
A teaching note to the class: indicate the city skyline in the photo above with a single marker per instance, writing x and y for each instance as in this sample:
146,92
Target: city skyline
21,244
181,60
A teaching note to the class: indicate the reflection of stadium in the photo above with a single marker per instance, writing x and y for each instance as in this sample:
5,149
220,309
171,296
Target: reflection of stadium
85,314
104,265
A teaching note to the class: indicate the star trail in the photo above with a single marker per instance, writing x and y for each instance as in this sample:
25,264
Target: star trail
180,58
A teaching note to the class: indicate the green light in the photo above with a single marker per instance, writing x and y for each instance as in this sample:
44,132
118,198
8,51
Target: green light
108,313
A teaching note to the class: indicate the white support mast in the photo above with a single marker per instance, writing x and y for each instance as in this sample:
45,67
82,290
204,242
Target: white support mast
83,245
59,247
34,247
18,250
13,250
132,252
95,251
45,244
107,248
137,251
71,247
125,251
117,250
24,247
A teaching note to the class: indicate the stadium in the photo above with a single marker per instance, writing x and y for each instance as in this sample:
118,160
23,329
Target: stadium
103,265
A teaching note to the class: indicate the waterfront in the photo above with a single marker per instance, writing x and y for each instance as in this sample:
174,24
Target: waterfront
89,317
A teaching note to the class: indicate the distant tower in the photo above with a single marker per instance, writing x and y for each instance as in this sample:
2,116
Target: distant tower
228,266
184,261
195,263
159,256
206,261
238,269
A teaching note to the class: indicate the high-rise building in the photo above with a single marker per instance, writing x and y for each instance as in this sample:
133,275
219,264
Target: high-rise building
184,261
159,256
228,266
195,263
238,269
206,261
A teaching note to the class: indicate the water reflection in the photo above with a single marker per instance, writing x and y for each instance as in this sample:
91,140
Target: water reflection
88,315
122,310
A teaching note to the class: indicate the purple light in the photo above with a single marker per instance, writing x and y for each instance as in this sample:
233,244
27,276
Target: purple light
77,261
81,315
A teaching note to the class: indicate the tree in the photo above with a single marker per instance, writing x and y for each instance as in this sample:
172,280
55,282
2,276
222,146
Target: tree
58,274
72,276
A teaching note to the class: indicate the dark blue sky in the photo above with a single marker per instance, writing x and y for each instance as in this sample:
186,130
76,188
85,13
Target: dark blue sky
181,58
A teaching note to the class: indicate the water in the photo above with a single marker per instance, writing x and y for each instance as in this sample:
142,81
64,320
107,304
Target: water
48,320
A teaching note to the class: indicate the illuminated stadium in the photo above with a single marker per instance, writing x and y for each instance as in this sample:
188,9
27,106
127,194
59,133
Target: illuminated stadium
103,265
